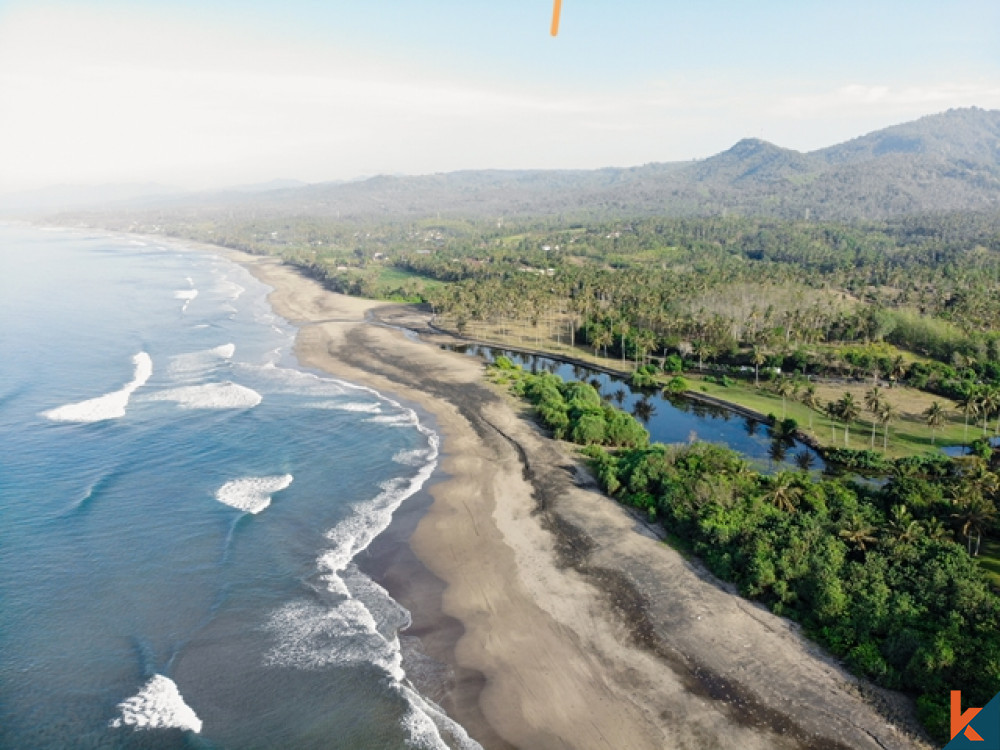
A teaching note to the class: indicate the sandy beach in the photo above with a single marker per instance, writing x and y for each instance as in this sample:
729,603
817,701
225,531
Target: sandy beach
565,622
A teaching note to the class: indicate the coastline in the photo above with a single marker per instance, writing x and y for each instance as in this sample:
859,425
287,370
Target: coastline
569,625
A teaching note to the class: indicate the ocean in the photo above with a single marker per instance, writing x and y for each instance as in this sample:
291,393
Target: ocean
180,505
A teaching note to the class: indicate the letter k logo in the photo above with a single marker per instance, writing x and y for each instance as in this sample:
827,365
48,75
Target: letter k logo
960,721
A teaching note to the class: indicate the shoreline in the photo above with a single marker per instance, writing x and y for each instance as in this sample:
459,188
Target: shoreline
574,627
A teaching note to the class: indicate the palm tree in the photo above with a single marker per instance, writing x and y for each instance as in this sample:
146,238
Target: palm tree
934,416
934,529
977,513
848,411
969,404
783,387
811,400
703,351
623,328
858,532
989,402
902,525
784,491
758,357
600,340
645,342
832,410
874,401
886,414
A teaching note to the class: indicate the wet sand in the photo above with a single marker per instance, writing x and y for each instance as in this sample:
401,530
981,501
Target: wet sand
562,620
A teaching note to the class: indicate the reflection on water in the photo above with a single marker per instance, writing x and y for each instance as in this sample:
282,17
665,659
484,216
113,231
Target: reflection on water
671,418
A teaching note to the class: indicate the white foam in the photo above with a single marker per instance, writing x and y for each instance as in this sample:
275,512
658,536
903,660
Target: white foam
252,494
311,635
109,406
425,721
230,289
227,395
287,380
187,295
396,420
411,458
348,406
158,705
197,363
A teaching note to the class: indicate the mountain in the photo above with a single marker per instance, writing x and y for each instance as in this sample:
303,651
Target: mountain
944,162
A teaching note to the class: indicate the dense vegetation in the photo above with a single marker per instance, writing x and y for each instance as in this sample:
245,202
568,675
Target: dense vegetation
874,575
573,411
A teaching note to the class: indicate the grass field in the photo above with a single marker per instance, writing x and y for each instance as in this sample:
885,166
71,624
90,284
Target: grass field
909,434
989,559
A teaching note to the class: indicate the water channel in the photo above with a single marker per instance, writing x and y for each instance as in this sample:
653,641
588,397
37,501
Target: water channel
674,419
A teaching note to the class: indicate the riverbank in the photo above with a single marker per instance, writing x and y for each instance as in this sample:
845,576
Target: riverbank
577,629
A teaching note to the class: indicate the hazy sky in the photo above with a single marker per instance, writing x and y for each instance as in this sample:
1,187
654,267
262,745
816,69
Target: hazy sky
209,93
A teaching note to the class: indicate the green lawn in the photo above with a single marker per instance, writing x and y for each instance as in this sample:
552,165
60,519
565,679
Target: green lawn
907,436
989,559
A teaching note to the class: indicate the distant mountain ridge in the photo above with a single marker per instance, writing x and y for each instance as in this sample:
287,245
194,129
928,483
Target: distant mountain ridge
943,162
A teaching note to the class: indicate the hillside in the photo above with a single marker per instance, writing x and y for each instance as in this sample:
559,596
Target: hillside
943,162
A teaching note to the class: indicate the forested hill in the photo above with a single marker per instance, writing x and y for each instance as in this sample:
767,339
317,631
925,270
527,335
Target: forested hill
943,162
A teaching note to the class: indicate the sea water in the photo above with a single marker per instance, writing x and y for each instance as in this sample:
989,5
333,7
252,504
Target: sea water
180,505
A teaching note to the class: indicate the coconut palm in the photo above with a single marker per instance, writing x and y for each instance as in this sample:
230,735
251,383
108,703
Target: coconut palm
934,416
858,532
758,357
968,402
989,403
811,401
973,516
784,491
887,414
600,340
784,388
848,410
874,401
832,411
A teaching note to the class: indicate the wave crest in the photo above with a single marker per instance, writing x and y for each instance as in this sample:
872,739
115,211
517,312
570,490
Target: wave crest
158,705
252,494
109,406
227,395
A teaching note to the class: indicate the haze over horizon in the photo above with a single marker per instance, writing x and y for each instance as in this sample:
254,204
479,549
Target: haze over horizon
215,94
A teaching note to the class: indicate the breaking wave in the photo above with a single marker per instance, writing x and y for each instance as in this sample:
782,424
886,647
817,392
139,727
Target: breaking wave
158,705
252,494
227,395
109,406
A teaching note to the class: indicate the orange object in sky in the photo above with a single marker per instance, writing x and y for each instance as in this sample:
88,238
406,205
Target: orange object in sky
556,8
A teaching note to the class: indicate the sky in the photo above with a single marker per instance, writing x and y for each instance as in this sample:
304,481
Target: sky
206,94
